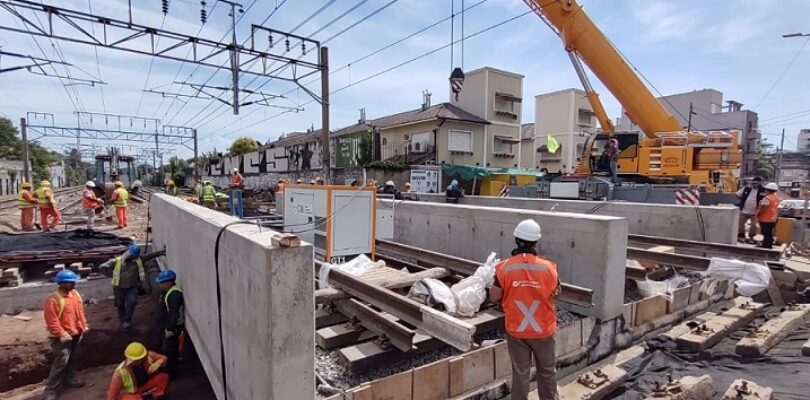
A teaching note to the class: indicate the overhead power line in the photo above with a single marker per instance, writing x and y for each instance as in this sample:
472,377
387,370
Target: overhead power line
782,75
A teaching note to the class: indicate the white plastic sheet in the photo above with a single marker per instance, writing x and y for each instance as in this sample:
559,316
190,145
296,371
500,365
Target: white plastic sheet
649,288
750,278
355,267
432,292
471,291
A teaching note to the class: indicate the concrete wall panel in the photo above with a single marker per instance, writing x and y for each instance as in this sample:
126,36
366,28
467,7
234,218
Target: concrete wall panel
588,249
267,304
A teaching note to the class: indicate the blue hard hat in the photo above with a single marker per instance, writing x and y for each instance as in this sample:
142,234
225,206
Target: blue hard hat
67,276
166,275
134,250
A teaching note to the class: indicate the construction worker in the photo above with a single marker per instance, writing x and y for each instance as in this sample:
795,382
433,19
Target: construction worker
171,317
391,189
612,151
119,200
66,323
768,214
26,203
209,195
526,285
319,181
171,190
407,187
453,193
280,185
312,182
237,185
299,181
49,214
749,196
128,273
90,203
139,376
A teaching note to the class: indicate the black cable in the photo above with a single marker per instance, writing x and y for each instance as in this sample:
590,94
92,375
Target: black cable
223,365
782,75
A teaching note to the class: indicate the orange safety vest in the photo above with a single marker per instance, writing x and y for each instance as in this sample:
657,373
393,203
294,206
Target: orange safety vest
237,180
528,282
281,187
770,213
89,202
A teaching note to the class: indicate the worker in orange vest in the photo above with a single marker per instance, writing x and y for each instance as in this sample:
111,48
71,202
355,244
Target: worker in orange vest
140,376
119,198
66,323
280,185
768,214
90,203
49,214
26,203
526,285
237,185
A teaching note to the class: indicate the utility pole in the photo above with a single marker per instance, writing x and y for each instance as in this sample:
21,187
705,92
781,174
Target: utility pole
26,161
691,113
326,164
234,57
779,160
196,157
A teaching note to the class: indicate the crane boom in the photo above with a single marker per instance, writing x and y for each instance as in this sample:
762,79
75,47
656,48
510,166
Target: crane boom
583,38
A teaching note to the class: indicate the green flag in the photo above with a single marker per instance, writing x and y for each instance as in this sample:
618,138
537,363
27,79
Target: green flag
552,144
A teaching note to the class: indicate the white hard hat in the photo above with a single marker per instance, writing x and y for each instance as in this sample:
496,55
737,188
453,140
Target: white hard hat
772,186
528,230
236,170
389,183
90,184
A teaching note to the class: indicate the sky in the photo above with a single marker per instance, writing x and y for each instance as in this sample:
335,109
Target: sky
734,46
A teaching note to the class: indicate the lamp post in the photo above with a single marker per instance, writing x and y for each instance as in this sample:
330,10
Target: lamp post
793,35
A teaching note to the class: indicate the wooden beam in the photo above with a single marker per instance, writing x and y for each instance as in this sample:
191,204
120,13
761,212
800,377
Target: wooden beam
330,294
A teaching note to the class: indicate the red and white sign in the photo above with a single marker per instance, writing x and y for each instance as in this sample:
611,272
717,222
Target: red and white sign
687,197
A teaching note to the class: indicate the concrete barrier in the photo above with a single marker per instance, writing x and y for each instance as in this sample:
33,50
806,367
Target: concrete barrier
590,250
680,222
267,306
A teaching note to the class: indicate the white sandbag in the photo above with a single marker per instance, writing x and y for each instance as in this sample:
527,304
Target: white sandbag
649,288
750,278
432,291
470,293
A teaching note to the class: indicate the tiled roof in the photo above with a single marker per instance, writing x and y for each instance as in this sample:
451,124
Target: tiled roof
439,111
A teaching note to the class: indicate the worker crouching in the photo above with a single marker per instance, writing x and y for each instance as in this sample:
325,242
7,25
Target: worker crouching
171,318
140,376
66,324
526,285
119,199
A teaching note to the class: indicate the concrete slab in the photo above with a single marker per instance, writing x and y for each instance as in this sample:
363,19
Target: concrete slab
762,339
715,329
568,240
806,348
593,385
568,338
684,327
747,390
686,388
265,308
31,296
680,222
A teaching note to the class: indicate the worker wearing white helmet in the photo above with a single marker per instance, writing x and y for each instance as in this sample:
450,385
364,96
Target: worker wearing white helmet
90,203
390,188
526,285
768,214
237,186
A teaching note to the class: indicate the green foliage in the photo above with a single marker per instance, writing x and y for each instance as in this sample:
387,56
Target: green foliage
10,143
765,161
386,166
366,149
243,145
77,172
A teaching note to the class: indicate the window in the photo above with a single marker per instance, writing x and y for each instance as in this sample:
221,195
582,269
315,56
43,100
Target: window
505,105
384,141
584,117
503,145
460,141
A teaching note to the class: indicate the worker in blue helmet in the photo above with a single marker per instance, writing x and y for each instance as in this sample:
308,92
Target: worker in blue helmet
129,280
66,323
171,318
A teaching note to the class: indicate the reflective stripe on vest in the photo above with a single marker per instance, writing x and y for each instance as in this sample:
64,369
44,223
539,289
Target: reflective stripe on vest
528,316
171,190
42,199
525,267
208,193
126,378
123,196
21,201
119,262
61,301
181,318
771,212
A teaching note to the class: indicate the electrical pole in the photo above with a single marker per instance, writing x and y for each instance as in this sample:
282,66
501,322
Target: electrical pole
196,157
234,59
26,161
691,113
779,160
326,164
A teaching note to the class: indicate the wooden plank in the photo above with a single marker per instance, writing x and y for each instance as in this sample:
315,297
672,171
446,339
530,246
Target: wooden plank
774,293
606,380
650,308
762,339
747,390
336,336
456,367
399,335
479,367
720,326
432,381
680,299
362,392
394,387
503,363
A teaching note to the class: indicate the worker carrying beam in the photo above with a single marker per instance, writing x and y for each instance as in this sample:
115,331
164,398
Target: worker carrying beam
171,318
49,214
119,200
171,189
66,323
139,376
526,285
237,185
26,203
90,203
208,195
128,281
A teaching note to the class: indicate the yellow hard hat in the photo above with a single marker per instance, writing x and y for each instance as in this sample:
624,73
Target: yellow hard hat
170,182
26,185
118,184
135,351
44,183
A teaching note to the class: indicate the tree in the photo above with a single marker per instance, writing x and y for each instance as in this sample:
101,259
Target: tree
764,162
243,145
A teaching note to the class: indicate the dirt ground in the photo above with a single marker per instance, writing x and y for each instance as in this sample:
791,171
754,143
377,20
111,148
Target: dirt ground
137,213
24,352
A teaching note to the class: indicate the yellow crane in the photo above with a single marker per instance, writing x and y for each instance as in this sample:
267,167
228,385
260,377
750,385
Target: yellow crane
665,152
